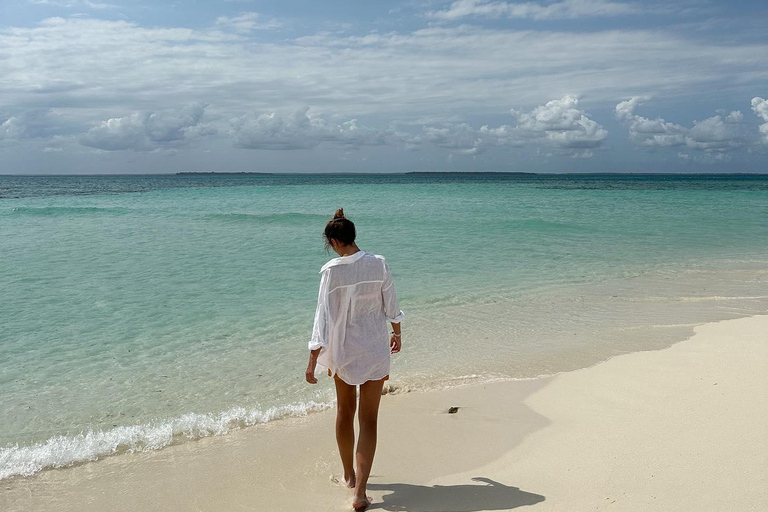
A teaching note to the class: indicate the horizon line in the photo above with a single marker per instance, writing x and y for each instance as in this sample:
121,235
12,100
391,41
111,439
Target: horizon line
400,173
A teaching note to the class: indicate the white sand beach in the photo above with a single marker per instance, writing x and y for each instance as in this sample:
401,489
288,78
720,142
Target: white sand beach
679,429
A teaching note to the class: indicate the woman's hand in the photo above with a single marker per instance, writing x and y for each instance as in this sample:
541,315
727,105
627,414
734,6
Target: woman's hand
310,373
395,341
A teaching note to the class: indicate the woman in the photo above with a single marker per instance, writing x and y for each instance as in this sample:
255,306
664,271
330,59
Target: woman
350,339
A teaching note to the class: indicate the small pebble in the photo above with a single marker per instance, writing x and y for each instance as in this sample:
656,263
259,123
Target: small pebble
453,410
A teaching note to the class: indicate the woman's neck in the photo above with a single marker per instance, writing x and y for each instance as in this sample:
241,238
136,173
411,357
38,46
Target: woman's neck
347,250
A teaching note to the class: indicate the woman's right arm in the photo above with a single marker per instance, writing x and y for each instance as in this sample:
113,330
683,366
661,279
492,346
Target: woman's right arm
319,338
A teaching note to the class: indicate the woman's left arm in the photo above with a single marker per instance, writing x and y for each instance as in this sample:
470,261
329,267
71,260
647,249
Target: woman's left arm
310,374
392,310
388,296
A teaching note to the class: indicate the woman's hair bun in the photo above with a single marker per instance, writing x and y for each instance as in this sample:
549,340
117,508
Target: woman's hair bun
340,229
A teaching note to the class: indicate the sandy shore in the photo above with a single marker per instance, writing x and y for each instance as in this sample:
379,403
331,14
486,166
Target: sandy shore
681,429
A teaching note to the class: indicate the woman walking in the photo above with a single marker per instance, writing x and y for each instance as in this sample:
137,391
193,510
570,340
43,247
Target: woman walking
350,339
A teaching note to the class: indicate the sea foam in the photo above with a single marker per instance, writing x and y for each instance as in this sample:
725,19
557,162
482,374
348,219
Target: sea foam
63,451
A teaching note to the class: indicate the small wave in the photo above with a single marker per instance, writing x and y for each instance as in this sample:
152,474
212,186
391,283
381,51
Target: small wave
288,218
545,225
453,383
64,451
64,210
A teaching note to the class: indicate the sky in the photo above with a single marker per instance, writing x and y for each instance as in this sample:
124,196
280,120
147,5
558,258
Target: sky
121,86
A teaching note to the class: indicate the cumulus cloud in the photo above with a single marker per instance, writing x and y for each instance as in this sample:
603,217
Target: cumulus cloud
565,9
649,132
12,128
146,131
247,22
302,131
32,124
562,124
719,133
760,108
558,123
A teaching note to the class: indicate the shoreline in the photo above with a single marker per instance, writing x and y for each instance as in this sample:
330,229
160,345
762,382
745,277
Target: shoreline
551,442
602,320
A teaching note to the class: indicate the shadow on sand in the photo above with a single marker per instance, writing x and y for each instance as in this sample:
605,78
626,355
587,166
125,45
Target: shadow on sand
453,498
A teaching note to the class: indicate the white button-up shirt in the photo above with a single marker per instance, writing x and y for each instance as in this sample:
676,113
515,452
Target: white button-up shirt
356,299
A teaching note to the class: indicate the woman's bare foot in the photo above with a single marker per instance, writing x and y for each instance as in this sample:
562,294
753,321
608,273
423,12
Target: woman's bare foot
361,503
348,482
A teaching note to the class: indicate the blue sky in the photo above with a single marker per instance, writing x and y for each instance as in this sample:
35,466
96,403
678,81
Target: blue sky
116,86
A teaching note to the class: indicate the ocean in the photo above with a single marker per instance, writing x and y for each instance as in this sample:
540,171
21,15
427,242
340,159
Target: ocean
141,311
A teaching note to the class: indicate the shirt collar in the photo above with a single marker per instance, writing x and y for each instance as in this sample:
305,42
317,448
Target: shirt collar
343,260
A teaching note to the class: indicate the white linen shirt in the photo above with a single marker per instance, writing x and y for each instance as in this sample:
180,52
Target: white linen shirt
356,299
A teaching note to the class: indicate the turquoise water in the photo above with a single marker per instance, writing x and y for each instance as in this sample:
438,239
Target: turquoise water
142,310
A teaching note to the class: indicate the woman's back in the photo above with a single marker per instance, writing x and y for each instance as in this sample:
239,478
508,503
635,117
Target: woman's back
358,298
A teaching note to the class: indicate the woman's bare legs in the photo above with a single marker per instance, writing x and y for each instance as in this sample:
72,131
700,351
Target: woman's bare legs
346,402
368,415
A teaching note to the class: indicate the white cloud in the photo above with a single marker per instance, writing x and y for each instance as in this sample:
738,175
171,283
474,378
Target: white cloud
247,22
12,128
558,123
719,133
649,132
147,131
302,131
760,107
32,124
565,9
561,124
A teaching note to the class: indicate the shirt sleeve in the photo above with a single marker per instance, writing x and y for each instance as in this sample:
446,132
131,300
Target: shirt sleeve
320,329
389,297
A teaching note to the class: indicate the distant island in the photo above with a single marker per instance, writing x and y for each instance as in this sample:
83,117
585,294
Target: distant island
469,172
197,173
186,173
206,173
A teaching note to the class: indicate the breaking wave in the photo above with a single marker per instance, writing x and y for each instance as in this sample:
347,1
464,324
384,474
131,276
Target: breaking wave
63,451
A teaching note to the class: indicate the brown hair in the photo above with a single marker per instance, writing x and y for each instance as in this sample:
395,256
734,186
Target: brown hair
339,228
